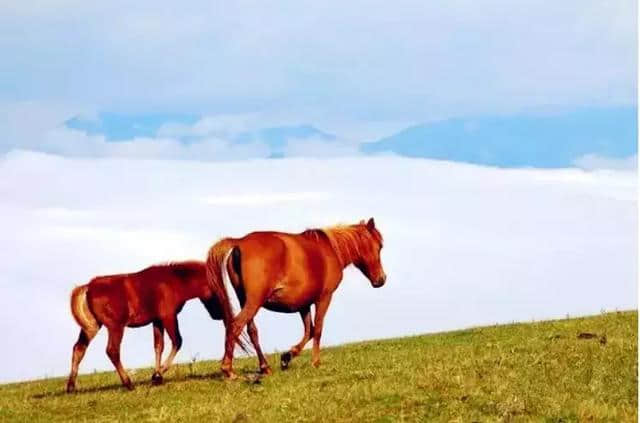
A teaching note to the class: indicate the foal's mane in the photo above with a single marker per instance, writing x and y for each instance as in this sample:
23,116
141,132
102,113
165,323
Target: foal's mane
346,240
183,269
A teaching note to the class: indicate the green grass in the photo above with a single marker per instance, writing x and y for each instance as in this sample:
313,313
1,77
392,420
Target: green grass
520,372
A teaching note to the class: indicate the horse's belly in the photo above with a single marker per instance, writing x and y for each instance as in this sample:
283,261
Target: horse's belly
141,314
281,308
141,318
139,323
290,298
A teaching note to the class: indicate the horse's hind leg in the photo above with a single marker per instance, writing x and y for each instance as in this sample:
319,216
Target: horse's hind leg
158,346
233,331
171,326
78,353
308,333
253,335
113,351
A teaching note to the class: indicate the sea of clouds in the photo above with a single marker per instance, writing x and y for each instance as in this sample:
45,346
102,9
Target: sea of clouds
464,245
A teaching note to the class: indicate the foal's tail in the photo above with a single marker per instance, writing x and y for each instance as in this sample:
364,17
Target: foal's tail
217,259
81,311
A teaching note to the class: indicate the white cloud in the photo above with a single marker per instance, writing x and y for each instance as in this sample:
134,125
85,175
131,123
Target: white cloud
223,125
74,143
464,245
40,127
594,161
24,123
379,62
261,199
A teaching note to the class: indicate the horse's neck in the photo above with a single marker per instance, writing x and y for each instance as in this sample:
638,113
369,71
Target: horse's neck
350,256
347,252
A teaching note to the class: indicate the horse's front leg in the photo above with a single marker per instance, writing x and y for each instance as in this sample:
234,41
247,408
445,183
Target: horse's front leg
285,358
158,346
170,324
321,310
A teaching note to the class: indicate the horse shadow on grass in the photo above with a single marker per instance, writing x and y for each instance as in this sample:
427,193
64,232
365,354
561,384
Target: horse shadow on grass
249,377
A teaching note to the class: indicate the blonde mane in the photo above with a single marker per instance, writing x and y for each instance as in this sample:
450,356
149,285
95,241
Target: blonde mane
346,240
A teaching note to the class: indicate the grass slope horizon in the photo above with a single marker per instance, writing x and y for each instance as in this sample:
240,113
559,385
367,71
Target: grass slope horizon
551,371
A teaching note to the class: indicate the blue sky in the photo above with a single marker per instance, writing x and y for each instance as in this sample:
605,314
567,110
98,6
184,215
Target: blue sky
77,76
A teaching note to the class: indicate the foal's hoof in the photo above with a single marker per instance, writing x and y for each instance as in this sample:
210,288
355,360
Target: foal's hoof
285,359
156,379
71,388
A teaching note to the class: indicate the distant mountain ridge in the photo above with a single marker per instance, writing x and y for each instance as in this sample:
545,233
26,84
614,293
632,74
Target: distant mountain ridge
519,141
118,127
546,141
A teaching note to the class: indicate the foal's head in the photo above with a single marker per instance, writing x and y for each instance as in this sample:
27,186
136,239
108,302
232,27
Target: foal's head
368,260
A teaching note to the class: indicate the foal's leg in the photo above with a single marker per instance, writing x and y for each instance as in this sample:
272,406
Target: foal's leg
158,346
113,351
308,333
78,352
253,334
171,326
321,309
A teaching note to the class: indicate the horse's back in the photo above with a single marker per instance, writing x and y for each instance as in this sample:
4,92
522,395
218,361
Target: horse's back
293,269
289,250
262,252
171,272
280,248
138,298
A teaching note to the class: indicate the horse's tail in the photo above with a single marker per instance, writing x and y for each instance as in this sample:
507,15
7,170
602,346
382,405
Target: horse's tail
81,311
217,260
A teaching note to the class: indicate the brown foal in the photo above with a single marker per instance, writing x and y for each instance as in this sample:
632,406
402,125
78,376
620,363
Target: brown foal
154,295
289,273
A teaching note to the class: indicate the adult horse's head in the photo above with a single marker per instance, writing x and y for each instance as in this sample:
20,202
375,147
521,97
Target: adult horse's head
358,244
368,260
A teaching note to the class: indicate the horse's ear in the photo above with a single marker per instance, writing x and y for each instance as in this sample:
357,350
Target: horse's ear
371,224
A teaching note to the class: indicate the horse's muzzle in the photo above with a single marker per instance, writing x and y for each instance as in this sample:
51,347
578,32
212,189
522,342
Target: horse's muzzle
380,281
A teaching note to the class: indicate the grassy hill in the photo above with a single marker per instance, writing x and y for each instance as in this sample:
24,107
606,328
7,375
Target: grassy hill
531,371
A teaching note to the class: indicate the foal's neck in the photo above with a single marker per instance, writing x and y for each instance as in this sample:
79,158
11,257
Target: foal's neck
194,288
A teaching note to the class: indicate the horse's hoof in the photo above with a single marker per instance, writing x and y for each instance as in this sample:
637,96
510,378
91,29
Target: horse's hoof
266,370
129,386
230,375
71,389
315,363
285,359
156,379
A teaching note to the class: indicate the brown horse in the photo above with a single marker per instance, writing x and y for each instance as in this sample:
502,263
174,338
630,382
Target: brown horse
288,273
154,295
